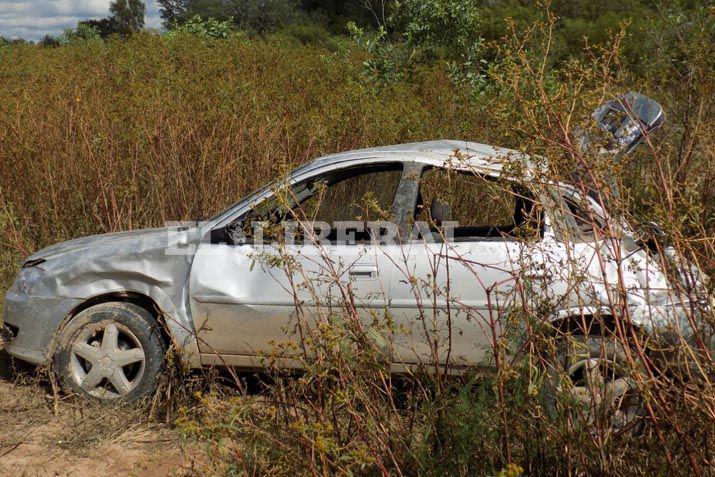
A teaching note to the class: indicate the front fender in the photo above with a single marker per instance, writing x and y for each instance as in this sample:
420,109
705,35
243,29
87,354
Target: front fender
175,316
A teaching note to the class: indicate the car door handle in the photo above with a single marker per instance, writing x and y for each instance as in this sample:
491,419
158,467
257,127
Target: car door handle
363,271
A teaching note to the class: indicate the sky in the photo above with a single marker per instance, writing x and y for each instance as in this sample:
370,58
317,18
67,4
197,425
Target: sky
33,19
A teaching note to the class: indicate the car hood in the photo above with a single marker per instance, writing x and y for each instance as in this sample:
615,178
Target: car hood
120,239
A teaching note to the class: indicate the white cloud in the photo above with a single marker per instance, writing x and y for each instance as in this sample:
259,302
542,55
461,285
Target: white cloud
33,19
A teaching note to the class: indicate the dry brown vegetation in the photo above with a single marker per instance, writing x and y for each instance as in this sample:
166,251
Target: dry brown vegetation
42,436
127,134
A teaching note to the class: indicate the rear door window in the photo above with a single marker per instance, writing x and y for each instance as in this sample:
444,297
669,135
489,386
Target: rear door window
477,206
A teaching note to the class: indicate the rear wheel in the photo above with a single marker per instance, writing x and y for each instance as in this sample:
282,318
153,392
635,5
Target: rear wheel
112,351
593,376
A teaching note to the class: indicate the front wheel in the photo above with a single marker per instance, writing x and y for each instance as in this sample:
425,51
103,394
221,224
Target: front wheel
111,351
594,377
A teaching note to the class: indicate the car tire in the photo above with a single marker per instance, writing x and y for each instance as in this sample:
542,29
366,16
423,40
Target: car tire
110,352
592,375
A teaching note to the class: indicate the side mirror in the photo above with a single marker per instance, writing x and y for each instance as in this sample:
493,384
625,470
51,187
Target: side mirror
628,119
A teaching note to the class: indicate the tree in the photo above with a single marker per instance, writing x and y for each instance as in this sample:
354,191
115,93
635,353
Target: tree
262,16
377,9
452,26
48,41
258,16
103,26
128,15
79,35
174,12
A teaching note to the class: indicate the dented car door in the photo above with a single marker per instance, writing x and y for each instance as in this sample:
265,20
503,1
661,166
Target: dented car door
251,300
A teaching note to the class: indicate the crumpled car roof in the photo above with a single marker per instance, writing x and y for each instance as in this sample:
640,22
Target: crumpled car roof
471,154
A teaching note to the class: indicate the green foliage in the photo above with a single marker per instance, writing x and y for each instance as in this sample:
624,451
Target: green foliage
450,25
209,28
14,41
402,35
262,16
269,15
447,29
424,31
127,15
255,16
104,26
173,12
469,35
310,33
94,29
387,62
81,34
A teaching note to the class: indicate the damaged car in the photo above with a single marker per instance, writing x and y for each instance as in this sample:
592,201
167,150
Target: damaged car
442,241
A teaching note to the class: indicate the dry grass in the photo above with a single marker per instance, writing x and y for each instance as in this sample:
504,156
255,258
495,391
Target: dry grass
114,136
40,437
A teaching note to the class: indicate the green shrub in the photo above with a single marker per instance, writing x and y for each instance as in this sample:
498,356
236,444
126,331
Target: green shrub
209,28
78,35
310,34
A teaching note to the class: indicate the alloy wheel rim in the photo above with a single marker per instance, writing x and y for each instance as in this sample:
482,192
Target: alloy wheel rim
107,361
604,393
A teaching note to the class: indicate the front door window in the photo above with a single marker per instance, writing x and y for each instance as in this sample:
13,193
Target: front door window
252,293
341,205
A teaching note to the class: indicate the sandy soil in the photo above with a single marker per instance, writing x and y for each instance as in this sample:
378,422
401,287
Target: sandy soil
41,437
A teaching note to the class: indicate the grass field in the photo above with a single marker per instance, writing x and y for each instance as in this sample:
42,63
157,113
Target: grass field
131,133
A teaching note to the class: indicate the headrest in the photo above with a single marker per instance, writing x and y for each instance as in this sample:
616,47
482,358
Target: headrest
440,211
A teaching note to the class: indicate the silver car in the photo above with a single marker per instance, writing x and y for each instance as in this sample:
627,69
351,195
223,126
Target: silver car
377,222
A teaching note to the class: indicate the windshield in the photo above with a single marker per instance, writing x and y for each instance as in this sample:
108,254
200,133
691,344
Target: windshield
224,213
271,186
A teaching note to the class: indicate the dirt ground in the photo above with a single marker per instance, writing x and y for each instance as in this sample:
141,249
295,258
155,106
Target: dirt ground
42,436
